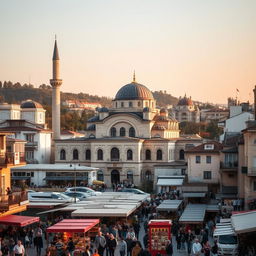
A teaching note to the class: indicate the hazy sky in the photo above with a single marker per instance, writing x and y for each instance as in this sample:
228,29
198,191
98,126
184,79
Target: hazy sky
204,48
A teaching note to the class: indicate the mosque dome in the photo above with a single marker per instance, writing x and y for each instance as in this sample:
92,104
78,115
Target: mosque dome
185,101
134,91
30,104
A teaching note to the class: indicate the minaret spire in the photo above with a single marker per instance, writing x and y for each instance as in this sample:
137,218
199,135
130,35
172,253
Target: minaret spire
134,77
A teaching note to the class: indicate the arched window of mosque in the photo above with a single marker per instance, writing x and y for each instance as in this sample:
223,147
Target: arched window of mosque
122,104
75,154
88,154
113,132
159,154
148,154
146,103
130,176
100,175
148,175
130,104
138,103
116,104
122,131
131,132
182,154
100,154
63,154
114,154
129,154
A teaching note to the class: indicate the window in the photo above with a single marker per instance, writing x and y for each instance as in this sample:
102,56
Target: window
131,132
198,159
129,154
114,154
116,104
30,137
130,104
88,154
159,154
29,155
207,175
122,131
100,154
183,171
148,154
209,146
122,104
138,103
62,154
100,175
113,132
182,154
208,159
75,154
130,176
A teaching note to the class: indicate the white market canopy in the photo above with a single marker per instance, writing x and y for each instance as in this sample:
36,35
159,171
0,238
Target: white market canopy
193,214
170,181
169,205
244,222
193,194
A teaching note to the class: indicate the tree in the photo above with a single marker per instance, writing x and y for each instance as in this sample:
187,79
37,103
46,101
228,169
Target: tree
214,130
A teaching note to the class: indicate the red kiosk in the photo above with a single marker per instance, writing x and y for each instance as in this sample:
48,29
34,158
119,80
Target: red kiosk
159,234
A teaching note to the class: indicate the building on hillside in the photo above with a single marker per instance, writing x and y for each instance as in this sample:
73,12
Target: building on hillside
204,165
27,122
128,140
11,154
186,111
215,114
81,105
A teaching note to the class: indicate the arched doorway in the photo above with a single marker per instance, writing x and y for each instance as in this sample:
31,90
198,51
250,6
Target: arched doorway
115,177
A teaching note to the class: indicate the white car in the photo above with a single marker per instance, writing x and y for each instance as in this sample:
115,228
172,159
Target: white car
85,190
50,197
78,195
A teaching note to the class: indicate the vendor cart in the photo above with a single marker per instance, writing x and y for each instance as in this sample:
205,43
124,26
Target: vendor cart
159,234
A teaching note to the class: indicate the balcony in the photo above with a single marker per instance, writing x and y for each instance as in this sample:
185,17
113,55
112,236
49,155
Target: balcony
229,166
252,172
31,144
13,201
12,158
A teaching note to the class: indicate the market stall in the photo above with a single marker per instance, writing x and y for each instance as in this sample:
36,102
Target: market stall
19,221
169,209
193,214
159,234
81,231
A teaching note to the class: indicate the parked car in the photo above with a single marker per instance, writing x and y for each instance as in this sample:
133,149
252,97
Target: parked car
133,190
80,195
50,197
31,191
85,190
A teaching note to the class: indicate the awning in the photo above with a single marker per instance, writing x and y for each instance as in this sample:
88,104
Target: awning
169,182
73,226
66,178
193,194
16,220
169,205
244,222
98,182
212,208
193,214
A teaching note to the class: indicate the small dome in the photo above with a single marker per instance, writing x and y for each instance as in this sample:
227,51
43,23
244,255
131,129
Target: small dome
103,110
134,91
185,101
30,104
146,109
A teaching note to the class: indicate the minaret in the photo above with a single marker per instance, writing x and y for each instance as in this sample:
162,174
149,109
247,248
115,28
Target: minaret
56,83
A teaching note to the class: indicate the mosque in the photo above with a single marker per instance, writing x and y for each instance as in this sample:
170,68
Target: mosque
129,142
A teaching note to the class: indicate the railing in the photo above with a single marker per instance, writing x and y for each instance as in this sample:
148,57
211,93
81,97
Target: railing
12,158
13,199
229,165
115,159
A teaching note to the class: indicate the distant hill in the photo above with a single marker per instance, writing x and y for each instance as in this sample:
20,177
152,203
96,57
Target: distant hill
16,93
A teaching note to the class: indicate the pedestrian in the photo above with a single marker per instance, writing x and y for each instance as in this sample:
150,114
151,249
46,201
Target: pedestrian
136,249
38,242
169,248
112,245
96,253
196,248
100,243
19,249
87,251
59,248
145,252
178,241
70,247
122,247
207,249
189,241
129,243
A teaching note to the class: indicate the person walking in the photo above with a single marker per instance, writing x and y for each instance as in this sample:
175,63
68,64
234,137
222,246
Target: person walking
38,242
169,248
207,249
178,241
136,249
189,240
214,249
19,249
70,247
112,245
122,247
196,248
100,243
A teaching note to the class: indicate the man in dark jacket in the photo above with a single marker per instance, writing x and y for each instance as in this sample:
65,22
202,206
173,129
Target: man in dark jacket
169,248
